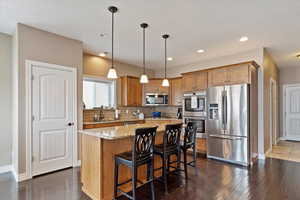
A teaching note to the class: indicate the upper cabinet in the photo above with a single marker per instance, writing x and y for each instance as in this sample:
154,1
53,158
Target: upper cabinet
236,74
154,86
176,92
130,91
194,81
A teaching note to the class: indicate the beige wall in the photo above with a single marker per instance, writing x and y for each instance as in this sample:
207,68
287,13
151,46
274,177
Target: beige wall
5,100
288,75
98,66
38,45
270,72
251,55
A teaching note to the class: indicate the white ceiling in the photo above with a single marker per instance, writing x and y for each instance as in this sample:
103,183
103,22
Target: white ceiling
214,25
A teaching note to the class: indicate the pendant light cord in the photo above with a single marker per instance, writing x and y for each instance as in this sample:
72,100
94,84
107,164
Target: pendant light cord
165,58
144,43
112,40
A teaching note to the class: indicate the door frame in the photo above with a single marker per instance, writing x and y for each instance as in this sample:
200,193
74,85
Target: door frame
28,83
273,113
284,88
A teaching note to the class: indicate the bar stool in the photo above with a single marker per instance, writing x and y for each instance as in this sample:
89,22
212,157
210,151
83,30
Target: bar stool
141,154
189,142
170,146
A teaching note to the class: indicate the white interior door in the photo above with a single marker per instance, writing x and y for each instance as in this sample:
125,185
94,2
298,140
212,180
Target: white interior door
292,107
53,113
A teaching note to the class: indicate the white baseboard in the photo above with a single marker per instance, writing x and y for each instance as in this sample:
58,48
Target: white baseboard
78,163
261,156
23,177
5,169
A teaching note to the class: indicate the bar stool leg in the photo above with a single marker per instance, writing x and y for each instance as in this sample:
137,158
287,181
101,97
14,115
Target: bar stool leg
194,154
152,179
134,181
185,163
116,179
165,173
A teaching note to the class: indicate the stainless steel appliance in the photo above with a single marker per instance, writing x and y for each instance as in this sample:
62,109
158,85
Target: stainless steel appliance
194,110
154,99
198,122
194,104
228,124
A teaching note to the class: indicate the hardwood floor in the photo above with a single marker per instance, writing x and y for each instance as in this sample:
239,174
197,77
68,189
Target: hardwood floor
271,179
286,150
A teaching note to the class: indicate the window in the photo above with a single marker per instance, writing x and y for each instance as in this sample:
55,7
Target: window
97,93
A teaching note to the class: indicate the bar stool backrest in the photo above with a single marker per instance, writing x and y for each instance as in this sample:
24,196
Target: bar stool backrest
190,134
171,139
144,140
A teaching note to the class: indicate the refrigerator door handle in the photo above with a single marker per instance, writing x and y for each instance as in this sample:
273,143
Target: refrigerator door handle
225,109
225,137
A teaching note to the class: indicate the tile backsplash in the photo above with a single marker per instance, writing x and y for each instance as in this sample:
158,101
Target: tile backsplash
127,112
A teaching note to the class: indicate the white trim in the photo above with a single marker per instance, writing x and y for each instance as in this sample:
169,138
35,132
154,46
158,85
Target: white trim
261,156
5,169
78,163
284,87
272,113
23,177
28,81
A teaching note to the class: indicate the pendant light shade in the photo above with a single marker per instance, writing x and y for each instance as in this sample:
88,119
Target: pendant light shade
165,82
144,77
112,73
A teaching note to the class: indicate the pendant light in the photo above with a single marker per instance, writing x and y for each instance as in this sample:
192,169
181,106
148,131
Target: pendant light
165,82
112,73
144,77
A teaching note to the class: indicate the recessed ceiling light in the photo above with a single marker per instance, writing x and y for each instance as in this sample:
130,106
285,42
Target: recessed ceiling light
103,34
244,39
170,58
298,56
200,51
103,54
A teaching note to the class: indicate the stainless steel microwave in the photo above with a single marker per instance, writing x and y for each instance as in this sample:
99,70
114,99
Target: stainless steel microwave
154,99
194,104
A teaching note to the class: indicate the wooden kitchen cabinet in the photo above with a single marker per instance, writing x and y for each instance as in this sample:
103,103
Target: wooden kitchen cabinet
154,86
176,91
194,81
131,91
201,145
229,75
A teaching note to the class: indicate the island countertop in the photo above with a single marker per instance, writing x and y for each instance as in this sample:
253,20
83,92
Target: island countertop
119,132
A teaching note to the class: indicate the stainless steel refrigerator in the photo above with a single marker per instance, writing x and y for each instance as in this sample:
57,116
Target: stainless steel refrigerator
228,124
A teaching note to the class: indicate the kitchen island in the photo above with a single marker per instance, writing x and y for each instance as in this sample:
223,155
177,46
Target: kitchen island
97,156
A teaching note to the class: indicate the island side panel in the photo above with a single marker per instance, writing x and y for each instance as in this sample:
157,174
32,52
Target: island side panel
90,166
112,147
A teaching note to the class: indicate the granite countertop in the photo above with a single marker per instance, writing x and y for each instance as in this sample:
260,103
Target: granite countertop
112,121
127,120
119,132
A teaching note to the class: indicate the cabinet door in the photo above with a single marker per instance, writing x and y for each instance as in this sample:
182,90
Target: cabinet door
152,87
188,82
176,92
200,80
217,77
238,74
134,92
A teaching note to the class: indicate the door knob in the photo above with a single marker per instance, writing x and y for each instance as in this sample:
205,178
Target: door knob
70,124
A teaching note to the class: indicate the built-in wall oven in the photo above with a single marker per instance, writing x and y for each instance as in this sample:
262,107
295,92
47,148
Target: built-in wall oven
194,104
194,110
199,123
154,99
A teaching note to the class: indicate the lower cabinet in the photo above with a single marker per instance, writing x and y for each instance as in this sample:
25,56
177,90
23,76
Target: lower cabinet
201,145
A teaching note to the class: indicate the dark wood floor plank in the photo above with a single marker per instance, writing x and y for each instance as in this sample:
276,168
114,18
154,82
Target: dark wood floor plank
271,179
